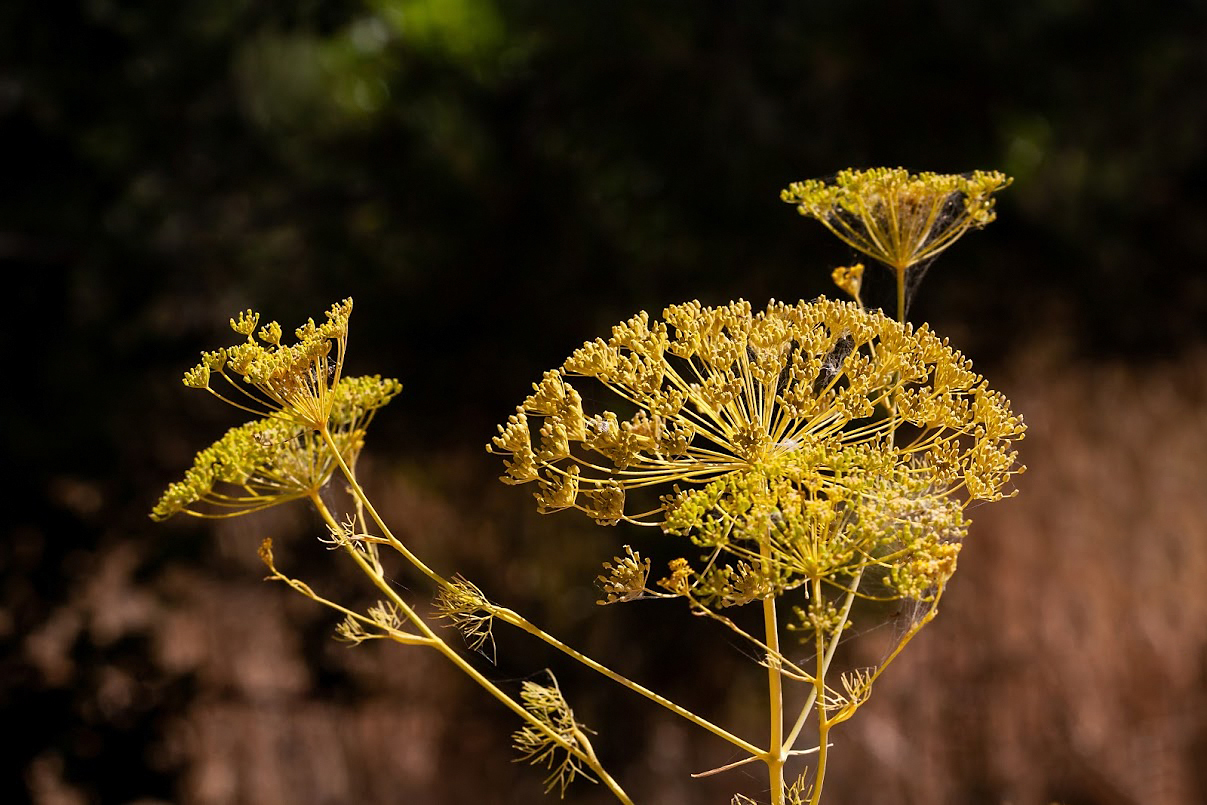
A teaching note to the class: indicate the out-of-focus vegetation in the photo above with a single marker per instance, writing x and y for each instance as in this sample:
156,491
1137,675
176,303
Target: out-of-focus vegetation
495,182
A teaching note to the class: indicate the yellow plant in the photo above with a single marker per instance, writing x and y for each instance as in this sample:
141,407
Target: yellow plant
813,447
901,219
310,424
805,455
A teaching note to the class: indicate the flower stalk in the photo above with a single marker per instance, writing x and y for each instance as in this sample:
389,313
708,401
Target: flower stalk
900,219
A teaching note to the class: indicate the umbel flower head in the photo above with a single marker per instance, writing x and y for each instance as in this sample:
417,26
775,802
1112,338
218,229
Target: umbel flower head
899,218
292,382
269,461
798,442
297,394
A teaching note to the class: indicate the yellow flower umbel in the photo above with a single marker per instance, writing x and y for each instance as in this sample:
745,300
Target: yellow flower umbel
293,382
901,219
301,400
310,425
267,462
767,436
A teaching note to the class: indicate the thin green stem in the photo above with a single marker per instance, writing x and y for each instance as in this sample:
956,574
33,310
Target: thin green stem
910,633
775,695
519,621
787,667
359,492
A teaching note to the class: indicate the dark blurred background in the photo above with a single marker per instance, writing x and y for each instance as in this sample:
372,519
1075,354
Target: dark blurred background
494,182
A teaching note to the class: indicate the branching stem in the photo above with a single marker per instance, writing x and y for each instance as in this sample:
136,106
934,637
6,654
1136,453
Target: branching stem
515,619
583,751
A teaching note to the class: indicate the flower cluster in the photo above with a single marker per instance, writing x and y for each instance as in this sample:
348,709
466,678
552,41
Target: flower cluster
300,400
292,382
804,441
898,218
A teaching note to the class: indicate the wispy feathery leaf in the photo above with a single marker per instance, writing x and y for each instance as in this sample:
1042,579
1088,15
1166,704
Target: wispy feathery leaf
547,704
465,606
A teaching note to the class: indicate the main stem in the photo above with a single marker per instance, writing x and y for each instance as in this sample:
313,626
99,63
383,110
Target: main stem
819,682
775,692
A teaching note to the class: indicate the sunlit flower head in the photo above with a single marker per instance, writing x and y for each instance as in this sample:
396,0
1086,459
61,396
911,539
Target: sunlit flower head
270,461
895,217
795,441
290,382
